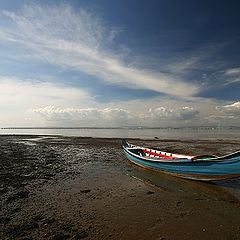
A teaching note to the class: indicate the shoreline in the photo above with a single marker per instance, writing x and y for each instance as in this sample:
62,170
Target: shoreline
84,188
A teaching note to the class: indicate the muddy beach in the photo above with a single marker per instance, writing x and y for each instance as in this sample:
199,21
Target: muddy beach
84,188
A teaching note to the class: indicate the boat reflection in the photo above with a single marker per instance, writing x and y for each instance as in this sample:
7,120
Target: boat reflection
228,190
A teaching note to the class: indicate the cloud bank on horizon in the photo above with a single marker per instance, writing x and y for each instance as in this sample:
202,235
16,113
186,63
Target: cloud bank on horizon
64,65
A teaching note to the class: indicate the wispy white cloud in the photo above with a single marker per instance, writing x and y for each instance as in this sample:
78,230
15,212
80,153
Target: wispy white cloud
185,63
233,71
230,76
80,41
230,109
225,114
231,81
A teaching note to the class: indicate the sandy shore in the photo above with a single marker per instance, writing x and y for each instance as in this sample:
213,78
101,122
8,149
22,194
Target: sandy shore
84,188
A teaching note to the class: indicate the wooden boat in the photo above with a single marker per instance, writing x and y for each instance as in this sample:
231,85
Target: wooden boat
202,168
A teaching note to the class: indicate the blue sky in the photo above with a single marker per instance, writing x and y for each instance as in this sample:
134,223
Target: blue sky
119,63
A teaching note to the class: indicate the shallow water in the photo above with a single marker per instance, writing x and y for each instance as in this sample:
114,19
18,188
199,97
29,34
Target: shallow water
226,134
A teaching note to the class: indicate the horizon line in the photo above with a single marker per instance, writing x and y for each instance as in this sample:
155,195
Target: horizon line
122,127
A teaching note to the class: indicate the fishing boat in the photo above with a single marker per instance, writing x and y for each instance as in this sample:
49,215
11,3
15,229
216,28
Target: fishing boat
202,168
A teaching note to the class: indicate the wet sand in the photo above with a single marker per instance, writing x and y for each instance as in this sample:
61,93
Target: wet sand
84,188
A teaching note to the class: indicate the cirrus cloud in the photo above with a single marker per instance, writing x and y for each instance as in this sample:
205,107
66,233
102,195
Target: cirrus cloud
82,42
233,71
230,109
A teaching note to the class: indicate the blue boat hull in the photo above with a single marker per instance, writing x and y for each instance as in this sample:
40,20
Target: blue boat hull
225,168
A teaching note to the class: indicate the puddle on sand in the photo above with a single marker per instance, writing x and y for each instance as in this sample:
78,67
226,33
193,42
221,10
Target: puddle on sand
39,138
33,141
28,143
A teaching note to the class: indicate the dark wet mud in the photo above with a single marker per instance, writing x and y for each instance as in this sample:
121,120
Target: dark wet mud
84,188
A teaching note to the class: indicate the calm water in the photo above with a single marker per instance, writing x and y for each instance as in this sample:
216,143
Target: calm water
134,133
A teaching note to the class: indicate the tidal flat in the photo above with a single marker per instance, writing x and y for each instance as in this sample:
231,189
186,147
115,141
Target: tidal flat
55,187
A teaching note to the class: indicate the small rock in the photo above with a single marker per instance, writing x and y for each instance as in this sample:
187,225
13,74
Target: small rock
150,192
85,191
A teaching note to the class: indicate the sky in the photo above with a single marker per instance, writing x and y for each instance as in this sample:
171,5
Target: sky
101,63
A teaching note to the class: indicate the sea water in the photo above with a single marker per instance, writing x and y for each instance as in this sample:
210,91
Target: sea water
143,133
